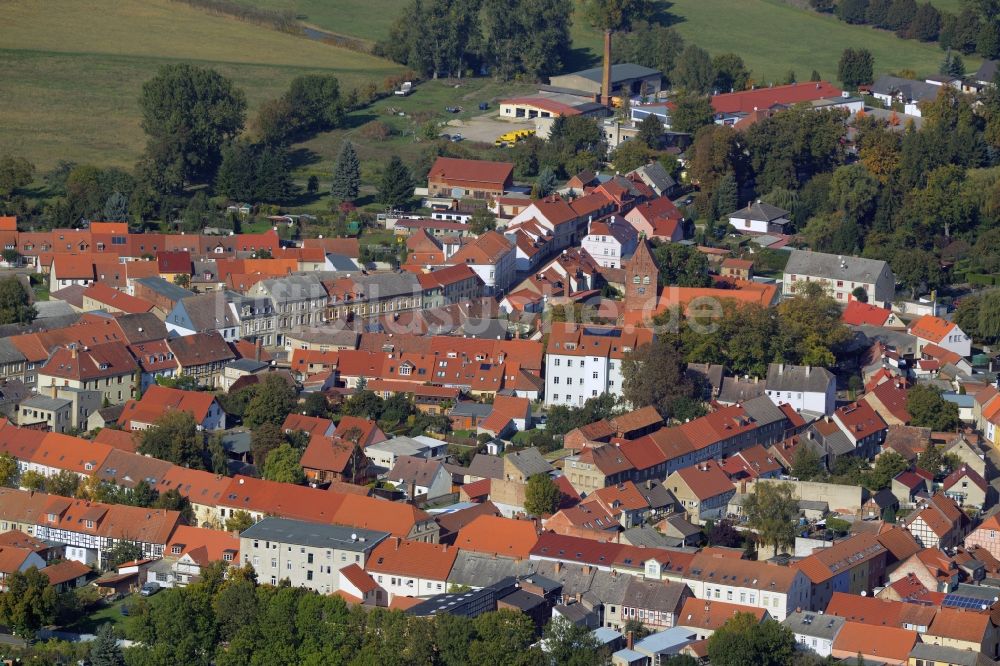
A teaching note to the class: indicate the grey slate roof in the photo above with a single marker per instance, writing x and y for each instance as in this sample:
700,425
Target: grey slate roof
943,654
484,329
622,72
142,327
763,411
656,177
205,312
45,402
341,263
814,624
418,470
470,408
910,89
648,537
247,365
387,285
293,288
759,211
656,595
237,441
736,390
325,335
713,373
486,466
529,462
477,569
821,264
316,535
9,353
784,377
166,289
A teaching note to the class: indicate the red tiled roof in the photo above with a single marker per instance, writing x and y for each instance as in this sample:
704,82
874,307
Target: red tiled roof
418,559
204,545
711,615
496,535
931,328
883,643
158,400
857,313
706,480
748,101
474,171
119,300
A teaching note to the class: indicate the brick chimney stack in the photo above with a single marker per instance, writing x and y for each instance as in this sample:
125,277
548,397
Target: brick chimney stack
606,78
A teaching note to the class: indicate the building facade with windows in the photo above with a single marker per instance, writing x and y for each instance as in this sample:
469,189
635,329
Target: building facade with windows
307,554
583,362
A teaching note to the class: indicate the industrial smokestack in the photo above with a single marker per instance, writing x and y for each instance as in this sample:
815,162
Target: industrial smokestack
606,79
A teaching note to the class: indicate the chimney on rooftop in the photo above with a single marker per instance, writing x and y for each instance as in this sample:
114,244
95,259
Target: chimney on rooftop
630,640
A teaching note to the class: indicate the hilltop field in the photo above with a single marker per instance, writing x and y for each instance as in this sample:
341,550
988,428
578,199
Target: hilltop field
72,71
772,36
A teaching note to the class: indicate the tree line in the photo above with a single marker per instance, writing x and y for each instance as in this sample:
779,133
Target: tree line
975,29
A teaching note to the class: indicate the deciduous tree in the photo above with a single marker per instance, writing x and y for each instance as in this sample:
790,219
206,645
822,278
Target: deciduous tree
929,410
282,465
542,495
188,113
772,512
272,402
174,437
15,304
742,641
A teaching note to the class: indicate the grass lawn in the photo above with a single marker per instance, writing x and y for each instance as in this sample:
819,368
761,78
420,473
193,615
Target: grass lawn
773,37
89,624
367,19
72,71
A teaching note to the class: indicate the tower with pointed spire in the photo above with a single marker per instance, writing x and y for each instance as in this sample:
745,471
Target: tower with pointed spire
641,276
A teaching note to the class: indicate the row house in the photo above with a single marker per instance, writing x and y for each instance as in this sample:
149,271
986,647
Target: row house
143,413
491,256
258,319
986,412
659,564
940,524
611,241
306,554
89,529
189,551
656,605
108,368
855,565
582,362
704,490
202,356
205,313
299,300
455,178
411,568
777,589
451,284
373,295
261,498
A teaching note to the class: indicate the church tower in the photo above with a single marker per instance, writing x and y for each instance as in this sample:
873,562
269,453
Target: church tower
641,275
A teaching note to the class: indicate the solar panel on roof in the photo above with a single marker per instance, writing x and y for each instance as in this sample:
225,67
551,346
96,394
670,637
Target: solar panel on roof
958,601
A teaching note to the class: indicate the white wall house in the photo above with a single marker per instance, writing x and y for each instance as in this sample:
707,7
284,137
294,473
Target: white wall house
778,590
582,363
805,388
609,242
840,275
941,332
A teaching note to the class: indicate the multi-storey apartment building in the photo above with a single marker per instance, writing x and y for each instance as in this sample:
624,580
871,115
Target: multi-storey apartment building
583,362
306,554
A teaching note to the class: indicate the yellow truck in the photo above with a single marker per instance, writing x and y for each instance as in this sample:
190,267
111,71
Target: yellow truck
512,137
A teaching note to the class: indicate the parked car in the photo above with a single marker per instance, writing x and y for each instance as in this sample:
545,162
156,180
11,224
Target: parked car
453,109
484,106
149,589
455,138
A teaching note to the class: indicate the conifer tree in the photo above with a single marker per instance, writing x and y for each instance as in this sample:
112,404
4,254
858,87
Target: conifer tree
346,174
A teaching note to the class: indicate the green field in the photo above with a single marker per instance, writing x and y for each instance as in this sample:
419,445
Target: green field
773,37
72,71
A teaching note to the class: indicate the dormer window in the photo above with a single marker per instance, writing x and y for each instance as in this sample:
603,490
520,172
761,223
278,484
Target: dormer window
89,524
51,517
175,549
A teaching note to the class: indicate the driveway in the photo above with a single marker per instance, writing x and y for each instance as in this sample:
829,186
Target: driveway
485,128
